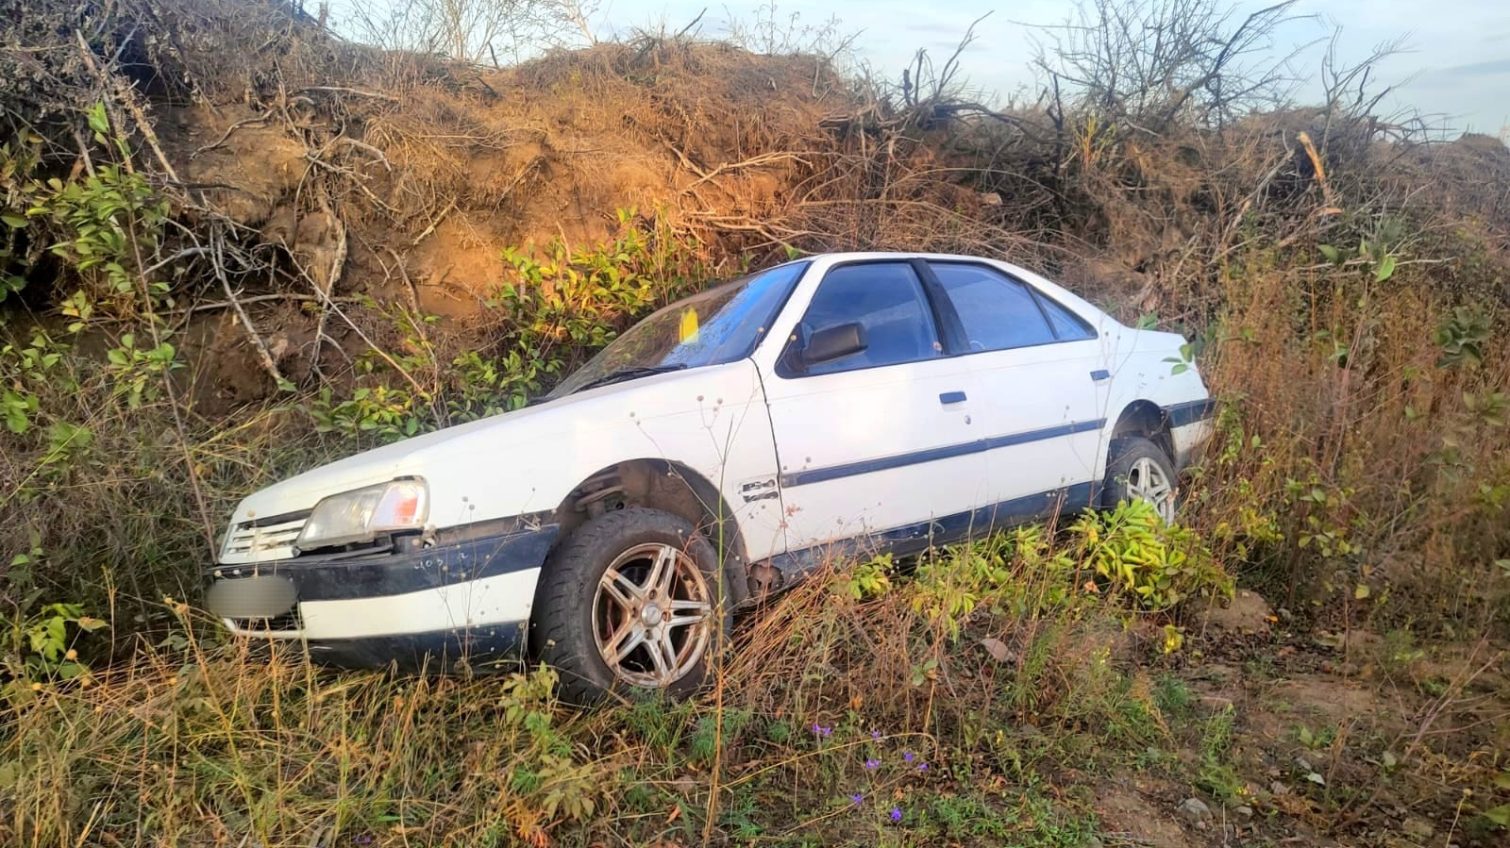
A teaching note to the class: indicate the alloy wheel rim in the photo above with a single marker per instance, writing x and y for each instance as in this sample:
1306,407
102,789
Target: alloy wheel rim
1146,481
652,615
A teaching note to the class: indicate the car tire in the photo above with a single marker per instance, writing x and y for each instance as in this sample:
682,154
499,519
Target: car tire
580,618
1138,469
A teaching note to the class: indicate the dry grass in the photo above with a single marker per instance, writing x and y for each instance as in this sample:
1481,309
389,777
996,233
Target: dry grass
205,744
1050,689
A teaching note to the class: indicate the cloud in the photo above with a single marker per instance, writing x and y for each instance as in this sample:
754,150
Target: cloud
950,29
947,47
1494,67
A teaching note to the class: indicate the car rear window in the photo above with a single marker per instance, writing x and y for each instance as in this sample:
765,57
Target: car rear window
996,311
1001,313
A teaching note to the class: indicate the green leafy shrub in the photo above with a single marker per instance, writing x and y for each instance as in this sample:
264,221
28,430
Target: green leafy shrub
42,647
868,579
560,307
105,224
1020,571
1462,337
18,161
1158,564
563,305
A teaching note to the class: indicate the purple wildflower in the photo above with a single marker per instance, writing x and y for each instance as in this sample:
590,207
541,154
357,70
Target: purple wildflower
875,735
857,798
821,731
872,764
922,767
896,814
907,757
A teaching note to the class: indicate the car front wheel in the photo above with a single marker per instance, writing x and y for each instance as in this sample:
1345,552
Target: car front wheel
630,601
1139,470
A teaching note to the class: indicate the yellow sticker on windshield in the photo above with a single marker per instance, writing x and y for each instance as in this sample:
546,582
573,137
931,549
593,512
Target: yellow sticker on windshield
687,333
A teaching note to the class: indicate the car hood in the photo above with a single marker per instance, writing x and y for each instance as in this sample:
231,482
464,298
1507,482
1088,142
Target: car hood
574,414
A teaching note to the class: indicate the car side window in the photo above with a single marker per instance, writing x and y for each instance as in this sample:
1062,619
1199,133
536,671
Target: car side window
1068,326
886,298
996,311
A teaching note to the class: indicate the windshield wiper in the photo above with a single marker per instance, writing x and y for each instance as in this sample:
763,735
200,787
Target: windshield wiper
623,374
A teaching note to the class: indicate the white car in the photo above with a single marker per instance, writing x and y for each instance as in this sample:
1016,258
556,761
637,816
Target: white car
714,453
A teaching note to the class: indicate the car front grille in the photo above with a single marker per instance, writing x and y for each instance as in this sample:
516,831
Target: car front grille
264,538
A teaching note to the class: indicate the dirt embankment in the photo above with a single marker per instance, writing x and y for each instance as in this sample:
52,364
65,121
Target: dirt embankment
413,193
436,181
302,166
305,166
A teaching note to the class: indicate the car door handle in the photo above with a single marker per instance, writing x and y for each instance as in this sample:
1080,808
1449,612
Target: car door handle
947,398
1100,374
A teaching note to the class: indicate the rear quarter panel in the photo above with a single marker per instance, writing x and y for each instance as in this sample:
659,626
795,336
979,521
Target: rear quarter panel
1145,366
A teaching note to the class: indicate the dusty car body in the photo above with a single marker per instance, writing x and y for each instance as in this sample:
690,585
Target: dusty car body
718,451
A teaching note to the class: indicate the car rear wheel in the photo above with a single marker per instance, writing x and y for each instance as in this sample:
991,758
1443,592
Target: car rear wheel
1139,470
630,601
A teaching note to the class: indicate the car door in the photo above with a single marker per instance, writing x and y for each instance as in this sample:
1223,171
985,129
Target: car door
1039,366
882,440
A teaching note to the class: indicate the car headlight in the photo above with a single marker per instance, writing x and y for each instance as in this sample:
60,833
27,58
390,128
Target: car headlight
361,515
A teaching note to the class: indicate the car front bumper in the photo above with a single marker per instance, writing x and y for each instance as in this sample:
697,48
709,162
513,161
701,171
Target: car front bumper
454,600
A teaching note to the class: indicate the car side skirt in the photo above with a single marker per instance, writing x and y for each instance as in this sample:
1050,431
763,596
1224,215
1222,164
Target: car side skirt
943,530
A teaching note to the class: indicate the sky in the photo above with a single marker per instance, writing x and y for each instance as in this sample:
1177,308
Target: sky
1456,64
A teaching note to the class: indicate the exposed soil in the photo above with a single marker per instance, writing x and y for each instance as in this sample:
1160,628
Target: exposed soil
1388,746
1137,810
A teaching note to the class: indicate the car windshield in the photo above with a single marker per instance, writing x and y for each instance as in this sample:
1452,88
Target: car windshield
719,325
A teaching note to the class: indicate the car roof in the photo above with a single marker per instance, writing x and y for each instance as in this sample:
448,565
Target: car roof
1086,309
838,257
894,254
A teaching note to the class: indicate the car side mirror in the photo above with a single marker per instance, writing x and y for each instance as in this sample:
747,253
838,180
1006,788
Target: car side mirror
833,342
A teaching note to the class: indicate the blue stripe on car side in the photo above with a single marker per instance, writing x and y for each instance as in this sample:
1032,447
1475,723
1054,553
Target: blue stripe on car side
1046,433
869,466
1180,414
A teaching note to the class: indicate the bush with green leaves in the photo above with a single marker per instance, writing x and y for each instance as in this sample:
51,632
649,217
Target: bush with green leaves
868,579
42,646
1021,572
1462,337
105,224
560,306
563,304
1159,565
